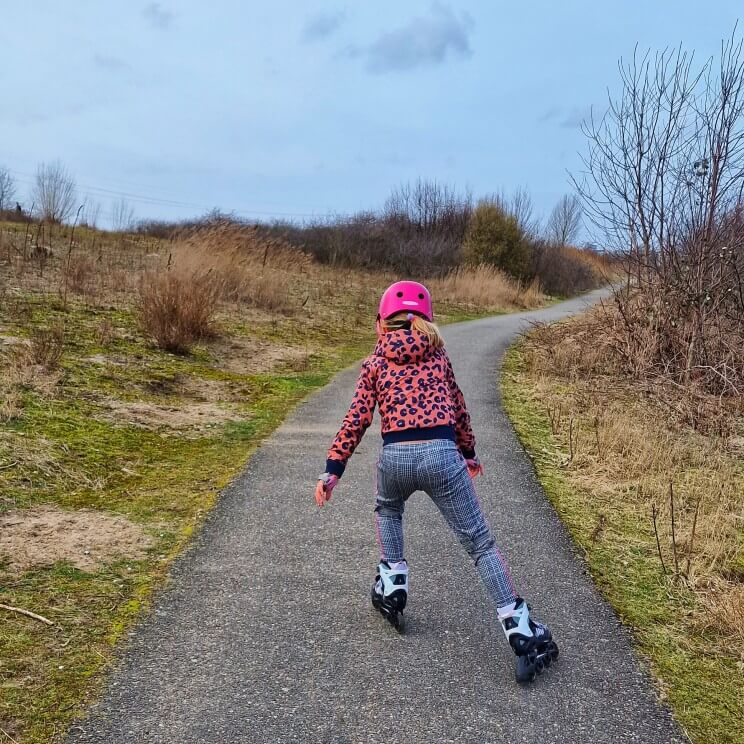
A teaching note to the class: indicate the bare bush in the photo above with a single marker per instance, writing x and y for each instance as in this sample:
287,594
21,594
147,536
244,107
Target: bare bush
122,216
79,271
564,271
91,213
564,222
419,231
518,205
7,190
664,184
54,192
178,305
47,345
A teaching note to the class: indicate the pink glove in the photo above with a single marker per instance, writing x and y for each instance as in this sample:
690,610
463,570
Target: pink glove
324,489
474,467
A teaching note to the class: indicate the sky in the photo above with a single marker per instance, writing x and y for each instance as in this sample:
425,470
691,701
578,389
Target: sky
297,110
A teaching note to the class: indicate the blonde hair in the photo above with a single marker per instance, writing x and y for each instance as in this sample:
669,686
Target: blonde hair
429,329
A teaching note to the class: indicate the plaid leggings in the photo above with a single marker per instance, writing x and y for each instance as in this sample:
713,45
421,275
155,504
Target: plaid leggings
438,468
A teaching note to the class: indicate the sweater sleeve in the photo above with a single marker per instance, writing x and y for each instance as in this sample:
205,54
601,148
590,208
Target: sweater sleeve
355,423
463,428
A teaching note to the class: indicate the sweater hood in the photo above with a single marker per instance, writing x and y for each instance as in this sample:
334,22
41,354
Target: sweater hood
404,347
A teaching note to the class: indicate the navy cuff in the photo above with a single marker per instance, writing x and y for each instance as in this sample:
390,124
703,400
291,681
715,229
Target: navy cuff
335,467
468,454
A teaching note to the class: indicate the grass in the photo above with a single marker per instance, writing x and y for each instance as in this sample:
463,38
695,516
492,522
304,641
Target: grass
95,417
605,453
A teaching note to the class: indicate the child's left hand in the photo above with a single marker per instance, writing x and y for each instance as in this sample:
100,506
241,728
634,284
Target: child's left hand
326,484
474,467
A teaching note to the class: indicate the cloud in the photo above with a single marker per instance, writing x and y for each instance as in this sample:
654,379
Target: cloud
112,64
576,117
323,25
160,17
424,41
568,118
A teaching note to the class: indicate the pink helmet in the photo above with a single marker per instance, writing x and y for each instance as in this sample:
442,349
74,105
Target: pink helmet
402,297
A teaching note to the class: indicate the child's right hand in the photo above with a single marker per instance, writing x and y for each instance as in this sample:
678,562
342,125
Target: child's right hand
474,467
326,484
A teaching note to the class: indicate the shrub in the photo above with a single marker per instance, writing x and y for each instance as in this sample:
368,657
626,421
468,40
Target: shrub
178,305
494,237
565,271
47,345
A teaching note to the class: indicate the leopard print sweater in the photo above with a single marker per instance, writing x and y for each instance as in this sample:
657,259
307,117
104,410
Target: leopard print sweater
414,386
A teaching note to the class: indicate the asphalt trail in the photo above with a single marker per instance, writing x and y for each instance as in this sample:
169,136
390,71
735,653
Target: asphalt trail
265,632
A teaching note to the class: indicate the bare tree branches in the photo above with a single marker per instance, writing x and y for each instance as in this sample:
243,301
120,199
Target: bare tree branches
663,183
564,222
122,216
7,190
54,192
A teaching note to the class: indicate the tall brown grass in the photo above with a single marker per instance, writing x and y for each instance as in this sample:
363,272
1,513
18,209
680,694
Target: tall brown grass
632,445
207,269
485,286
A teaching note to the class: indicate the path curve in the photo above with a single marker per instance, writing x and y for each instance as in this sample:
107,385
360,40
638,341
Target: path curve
265,633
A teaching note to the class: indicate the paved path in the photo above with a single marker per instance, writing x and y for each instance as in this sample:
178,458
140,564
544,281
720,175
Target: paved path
265,633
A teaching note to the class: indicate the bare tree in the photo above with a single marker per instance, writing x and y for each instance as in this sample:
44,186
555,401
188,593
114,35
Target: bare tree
91,213
7,189
518,204
664,183
54,192
122,216
564,222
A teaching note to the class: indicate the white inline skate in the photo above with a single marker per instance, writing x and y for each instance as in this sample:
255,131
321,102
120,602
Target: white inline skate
531,641
390,592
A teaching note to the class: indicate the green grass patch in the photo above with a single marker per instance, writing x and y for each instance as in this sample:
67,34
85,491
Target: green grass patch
702,683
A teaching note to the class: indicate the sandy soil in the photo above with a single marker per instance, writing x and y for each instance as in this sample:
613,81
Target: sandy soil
87,539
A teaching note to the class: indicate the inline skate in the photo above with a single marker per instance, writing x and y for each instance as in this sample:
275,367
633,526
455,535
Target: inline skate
531,641
390,592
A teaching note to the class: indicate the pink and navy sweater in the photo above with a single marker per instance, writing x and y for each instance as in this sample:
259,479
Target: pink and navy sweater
414,387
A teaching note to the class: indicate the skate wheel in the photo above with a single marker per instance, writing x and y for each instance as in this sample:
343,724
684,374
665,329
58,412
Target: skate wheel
526,669
553,652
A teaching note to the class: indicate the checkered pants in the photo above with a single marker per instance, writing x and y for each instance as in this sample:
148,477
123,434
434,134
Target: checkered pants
438,468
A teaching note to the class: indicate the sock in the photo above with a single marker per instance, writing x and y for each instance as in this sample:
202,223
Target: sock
505,610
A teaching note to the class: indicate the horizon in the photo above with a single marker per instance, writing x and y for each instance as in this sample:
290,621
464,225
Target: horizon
269,113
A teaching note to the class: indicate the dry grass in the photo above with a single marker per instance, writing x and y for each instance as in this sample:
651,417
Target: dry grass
655,504
31,365
225,264
631,446
487,286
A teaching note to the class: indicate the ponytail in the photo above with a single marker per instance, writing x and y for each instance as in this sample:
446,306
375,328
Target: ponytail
426,327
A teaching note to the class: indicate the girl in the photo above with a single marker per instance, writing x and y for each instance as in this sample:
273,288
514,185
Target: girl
428,445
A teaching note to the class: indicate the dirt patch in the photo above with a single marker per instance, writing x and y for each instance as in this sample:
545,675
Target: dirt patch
13,341
87,539
210,391
244,356
153,417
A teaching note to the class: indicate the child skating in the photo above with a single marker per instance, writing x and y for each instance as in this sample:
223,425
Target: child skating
428,445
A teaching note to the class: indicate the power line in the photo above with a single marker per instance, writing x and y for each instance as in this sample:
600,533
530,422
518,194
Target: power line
158,201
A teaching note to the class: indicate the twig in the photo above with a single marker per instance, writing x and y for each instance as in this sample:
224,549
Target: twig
692,538
570,440
674,534
7,467
3,731
27,613
658,543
